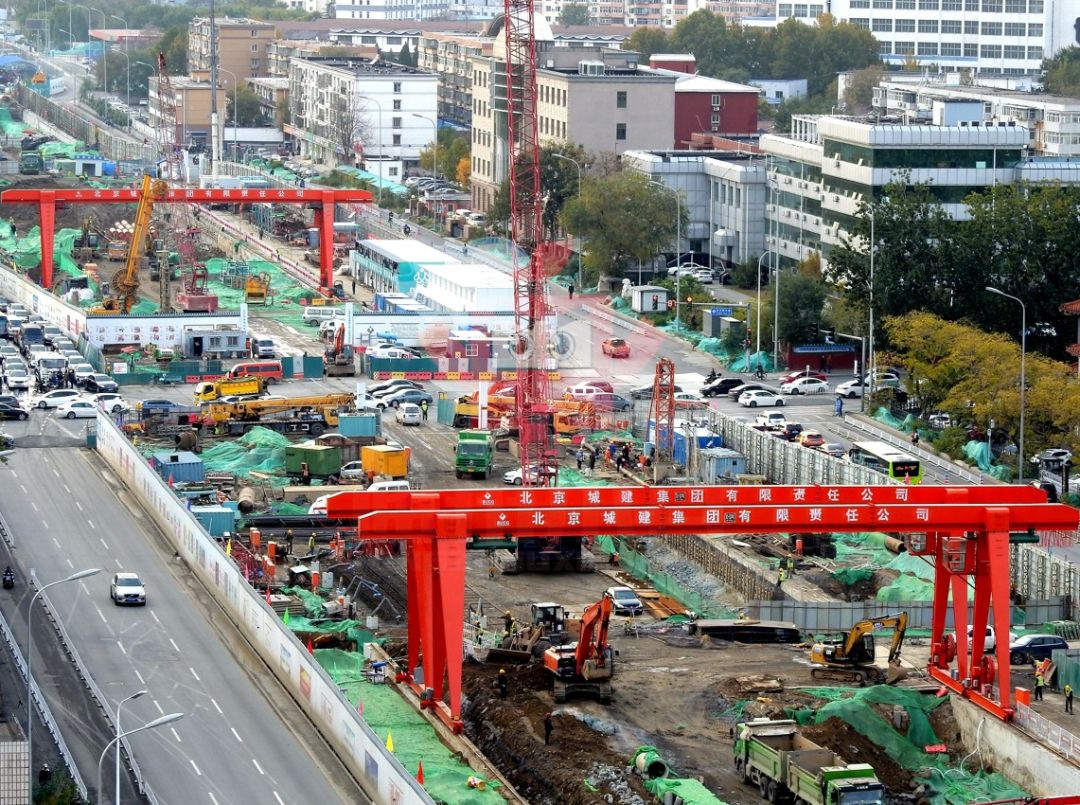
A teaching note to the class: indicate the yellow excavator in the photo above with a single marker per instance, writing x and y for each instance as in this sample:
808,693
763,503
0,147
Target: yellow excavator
124,287
852,659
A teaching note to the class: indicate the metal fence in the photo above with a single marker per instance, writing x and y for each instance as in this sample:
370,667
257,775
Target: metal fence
1047,732
1037,573
837,616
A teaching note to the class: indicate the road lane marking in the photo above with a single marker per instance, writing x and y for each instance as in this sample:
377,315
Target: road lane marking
71,564
195,767
54,472
191,669
103,543
78,505
90,523
141,680
257,766
56,542
214,799
122,649
214,702
23,488
67,489
156,619
173,642
236,734
176,735
101,615
279,799
119,564
14,474
34,505
45,523
157,704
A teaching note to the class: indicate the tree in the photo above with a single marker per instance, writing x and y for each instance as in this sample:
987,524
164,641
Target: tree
174,44
574,14
248,109
859,92
705,35
453,147
647,41
348,125
558,181
625,218
464,171
1061,74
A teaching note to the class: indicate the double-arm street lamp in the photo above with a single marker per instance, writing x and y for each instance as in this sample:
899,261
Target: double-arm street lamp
581,238
1023,373
157,722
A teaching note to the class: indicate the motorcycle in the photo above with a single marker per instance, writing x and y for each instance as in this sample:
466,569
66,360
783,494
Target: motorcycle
164,380
9,579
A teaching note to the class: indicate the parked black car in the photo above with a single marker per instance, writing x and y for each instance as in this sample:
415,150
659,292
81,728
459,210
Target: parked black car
1032,647
721,386
100,382
13,412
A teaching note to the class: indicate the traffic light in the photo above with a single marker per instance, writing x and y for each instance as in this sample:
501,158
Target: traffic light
830,335
689,300
656,301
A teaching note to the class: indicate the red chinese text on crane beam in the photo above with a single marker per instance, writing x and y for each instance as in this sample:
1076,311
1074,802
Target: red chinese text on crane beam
352,504
570,521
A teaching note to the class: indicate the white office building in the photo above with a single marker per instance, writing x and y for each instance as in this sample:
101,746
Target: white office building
463,288
349,110
1003,37
392,10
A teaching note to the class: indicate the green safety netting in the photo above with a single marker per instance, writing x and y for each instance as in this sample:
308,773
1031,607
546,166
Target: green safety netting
348,629
689,791
395,721
619,436
227,280
680,330
1067,666
638,565
258,450
952,786
10,127
758,359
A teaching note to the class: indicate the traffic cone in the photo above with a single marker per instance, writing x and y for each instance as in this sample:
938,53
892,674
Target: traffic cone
360,706
172,482
420,772
268,594
310,646
390,741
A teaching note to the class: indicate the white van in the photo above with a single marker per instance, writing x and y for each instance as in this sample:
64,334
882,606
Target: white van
319,506
583,392
392,352
317,315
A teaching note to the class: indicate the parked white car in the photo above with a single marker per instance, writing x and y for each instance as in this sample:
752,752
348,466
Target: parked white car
110,402
409,414
760,398
57,397
806,385
77,409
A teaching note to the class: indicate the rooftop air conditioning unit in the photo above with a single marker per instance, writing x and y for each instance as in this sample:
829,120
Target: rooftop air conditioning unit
836,198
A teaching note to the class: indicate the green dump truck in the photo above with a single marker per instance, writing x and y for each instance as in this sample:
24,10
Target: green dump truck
785,766
474,453
31,163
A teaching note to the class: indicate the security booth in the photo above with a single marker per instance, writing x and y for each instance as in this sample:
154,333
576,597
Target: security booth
648,299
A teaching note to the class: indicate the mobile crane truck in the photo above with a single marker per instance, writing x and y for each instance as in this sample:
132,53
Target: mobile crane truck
785,766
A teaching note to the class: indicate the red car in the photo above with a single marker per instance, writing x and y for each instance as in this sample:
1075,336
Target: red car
804,373
616,348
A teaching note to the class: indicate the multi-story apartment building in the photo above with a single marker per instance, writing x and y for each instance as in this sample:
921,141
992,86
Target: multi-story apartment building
280,51
192,109
734,10
348,110
241,48
653,13
1052,121
392,9
273,95
820,173
1009,37
596,99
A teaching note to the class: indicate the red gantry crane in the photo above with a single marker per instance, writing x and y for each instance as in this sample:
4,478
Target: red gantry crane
531,308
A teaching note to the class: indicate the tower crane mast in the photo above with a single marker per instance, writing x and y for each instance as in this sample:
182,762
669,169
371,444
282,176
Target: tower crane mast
531,307
167,121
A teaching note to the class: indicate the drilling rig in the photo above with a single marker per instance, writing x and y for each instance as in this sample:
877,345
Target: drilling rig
531,307
167,123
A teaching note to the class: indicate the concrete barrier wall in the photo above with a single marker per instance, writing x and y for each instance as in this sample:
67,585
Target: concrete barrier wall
380,774
36,299
1016,754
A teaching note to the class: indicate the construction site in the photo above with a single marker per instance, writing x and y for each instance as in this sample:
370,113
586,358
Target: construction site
627,653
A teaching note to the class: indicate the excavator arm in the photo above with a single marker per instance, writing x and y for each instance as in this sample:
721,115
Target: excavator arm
592,642
864,627
125,287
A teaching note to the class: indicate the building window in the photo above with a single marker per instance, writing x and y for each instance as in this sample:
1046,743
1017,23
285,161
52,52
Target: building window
861,22
397,104
905,26
971,27
928,5
1035,53
905,5
991,29
392,172
620,99
971,51
716,120
1035,7
1015,51
1015,29
880,25
928,49
992,6
620,131
472,350
885,48
971,5
860,3
950,48
952,5
254,33
397,139
254,47
397,87
951,26
990,51
785,10
928,26
883,3
395,122
1035,29
905,48
255,63
1015,6
716,99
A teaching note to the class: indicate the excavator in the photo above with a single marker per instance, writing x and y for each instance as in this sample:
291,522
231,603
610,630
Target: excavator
852,659
124,288
338,359
587,665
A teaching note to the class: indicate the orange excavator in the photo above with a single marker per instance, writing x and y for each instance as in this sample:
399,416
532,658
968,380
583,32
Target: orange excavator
338,359
585,667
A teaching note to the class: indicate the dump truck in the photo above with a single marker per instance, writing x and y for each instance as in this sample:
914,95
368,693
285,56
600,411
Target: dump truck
474,453
246,386
31,163
784,765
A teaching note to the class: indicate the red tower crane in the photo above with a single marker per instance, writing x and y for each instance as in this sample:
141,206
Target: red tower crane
167,121
531,307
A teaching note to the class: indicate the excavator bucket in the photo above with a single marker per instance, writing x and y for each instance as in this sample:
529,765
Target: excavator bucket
894,674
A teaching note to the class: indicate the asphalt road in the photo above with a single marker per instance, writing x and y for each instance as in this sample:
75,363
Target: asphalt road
242,739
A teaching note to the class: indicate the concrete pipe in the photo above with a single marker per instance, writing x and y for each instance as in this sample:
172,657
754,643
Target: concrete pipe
895,545
245,499
649,765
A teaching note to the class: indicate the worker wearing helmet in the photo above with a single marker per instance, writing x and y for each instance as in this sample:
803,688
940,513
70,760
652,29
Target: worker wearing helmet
503,682
508,621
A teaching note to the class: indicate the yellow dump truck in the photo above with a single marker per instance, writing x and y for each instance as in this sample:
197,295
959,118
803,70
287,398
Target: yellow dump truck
246,386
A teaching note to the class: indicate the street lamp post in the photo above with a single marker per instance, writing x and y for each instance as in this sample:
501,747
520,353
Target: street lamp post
236,87
70,36
118,17
382,154
758,325
678,254
157,722
104,51
120,704
82,574
870,355
435,144
127,83
581,239
1023,373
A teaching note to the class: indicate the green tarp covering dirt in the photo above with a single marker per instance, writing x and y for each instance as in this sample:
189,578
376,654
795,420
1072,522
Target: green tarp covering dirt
689,791
258,450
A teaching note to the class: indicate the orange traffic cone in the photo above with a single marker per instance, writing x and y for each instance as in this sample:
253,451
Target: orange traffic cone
420,772
310,646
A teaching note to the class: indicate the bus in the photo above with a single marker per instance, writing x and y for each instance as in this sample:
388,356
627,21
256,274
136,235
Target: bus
888,460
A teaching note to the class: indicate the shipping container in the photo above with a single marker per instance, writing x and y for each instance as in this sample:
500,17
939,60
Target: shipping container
718,465
353,425
383,460
217,520
322,461
183,467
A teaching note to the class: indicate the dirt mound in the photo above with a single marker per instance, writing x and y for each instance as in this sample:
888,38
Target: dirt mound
576,769
842,738
25,216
